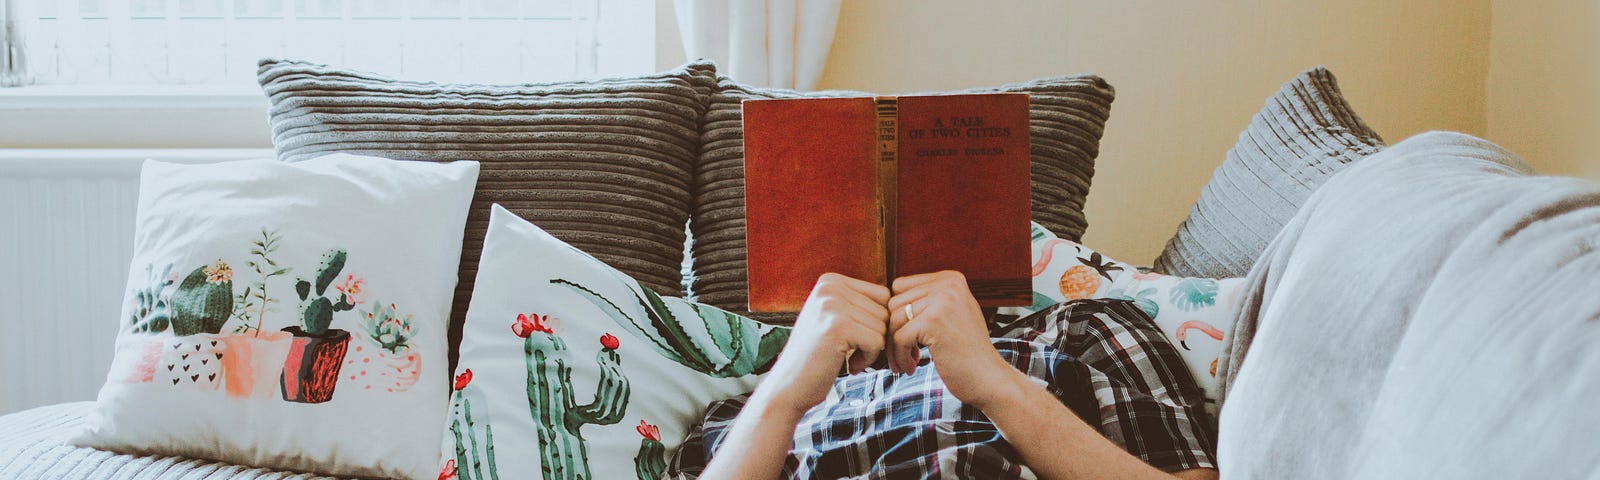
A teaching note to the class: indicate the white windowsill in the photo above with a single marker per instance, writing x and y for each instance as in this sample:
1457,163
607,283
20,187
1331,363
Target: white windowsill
110,97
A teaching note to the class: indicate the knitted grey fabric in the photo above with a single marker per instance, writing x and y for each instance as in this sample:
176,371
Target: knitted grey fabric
1068,115
33,445
1304,134
604,165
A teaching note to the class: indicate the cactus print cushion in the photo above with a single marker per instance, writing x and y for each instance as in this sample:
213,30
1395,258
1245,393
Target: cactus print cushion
290,316
1196,314
572,370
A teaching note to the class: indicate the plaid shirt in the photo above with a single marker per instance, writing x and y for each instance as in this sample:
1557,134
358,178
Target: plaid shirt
1105,359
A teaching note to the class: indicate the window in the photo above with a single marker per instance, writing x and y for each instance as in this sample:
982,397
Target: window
217,42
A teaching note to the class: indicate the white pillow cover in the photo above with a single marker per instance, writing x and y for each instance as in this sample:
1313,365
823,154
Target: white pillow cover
570,369
288,315
1196,314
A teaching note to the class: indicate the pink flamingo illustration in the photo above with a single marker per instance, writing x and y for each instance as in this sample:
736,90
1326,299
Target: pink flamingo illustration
1203,327
1045,253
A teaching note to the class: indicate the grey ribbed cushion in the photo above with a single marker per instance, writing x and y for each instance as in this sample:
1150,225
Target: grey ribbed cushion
604,165
1068,115
1304,134
33,446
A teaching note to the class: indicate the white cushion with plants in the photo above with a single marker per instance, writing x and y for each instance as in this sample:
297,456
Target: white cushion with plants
570,369
288,315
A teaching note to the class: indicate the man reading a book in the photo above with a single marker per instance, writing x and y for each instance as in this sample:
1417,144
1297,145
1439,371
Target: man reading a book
1084,389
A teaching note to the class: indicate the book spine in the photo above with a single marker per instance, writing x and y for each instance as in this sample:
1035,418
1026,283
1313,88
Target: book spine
888,136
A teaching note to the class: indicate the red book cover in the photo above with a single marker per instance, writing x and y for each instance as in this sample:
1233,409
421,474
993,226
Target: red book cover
845,185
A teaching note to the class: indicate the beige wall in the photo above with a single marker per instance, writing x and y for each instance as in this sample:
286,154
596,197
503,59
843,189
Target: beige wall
1544,70
1188,76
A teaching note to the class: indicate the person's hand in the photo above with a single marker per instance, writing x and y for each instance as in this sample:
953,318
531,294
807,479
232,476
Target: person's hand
844,320
946,318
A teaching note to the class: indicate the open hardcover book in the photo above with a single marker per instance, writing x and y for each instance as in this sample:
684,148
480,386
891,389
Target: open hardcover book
884,187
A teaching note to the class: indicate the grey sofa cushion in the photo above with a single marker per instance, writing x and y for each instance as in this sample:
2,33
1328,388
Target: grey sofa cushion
1068,115
1304,134
604,165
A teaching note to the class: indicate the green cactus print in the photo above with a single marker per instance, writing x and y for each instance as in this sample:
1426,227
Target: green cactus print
558,417
736,346
317,312
1192,294
152,315
203,301
651,462
474,439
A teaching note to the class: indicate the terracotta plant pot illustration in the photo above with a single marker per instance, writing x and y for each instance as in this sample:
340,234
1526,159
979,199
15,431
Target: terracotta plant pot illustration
311,368
146,352
254,363
193,361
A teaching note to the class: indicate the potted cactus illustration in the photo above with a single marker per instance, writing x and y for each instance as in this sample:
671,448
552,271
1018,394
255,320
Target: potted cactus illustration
311,368
474,459
255,357
203,301
382,356
149,314
196,309
556,413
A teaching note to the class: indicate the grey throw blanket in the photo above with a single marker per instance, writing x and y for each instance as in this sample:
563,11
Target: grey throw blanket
1431,312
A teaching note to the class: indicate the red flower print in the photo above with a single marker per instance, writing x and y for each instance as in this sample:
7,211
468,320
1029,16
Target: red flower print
448,472
609,341
529,323
648,431
463,379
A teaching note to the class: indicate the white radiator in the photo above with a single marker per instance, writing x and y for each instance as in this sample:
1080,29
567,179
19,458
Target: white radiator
66,237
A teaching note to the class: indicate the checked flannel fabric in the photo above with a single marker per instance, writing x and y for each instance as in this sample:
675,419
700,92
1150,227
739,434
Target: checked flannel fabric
1104,359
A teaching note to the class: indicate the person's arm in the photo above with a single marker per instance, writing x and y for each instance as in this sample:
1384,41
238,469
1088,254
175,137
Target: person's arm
946,318
1038,424
843,320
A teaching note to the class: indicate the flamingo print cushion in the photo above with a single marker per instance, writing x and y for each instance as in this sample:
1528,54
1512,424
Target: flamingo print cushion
570,369
289,316
1196,313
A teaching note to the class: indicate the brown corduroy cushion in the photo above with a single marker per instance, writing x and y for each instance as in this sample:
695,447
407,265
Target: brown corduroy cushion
1068,116
1306,133
604,165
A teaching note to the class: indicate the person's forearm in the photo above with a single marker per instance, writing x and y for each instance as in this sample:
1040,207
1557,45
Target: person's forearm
757,444
1054,442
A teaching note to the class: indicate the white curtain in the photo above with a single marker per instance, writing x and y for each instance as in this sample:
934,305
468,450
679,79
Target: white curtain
768,43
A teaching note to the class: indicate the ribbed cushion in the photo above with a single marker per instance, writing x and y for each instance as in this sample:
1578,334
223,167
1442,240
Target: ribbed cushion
604,165
33,446
1068,115
1304,134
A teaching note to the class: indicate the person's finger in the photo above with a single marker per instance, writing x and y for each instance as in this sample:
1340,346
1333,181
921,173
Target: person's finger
897,320
912,281
905,345
898,302
866,305
868,345
857,310
873,291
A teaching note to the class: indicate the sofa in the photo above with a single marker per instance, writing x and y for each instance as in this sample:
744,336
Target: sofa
1418,310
